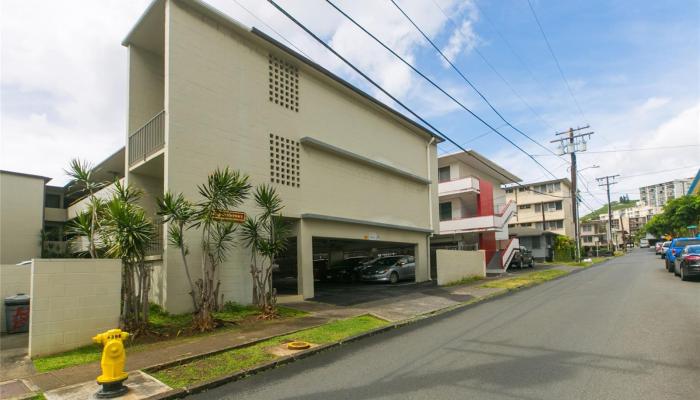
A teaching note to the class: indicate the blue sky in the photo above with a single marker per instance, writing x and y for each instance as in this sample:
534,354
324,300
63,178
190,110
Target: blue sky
633,66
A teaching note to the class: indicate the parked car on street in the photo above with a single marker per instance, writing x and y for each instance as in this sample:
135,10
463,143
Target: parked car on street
687,264
643,243
389,269
522,257
675,248
664,247
347,270
657,248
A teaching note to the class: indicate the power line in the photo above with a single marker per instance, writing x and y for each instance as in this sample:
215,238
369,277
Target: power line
510,47
556,60
271,28
659,172
380,88
491,66
631,149
438,87
479,136
458,71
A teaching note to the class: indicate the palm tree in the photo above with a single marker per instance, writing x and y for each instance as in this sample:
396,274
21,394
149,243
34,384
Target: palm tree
224,190
83,182
266,235
126,233
180,214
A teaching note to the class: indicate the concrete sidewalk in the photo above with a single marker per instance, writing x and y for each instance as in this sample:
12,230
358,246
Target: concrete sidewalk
422,301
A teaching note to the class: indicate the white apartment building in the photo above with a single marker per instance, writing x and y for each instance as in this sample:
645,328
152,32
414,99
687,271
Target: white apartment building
543,205
626,222
208,92
658,195
474,211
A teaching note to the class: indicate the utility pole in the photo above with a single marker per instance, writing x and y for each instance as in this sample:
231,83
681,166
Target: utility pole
543,220
571,144
607,181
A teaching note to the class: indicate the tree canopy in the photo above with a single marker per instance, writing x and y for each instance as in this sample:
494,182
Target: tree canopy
678,215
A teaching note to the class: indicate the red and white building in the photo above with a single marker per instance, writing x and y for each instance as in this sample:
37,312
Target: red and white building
474,212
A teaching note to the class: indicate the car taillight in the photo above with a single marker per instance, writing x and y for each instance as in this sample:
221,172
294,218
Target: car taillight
692,258
673,252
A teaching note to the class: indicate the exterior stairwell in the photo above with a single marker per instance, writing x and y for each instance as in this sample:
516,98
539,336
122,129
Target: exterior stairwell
501,259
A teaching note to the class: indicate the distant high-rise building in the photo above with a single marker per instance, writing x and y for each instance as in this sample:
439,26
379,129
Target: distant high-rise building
658,195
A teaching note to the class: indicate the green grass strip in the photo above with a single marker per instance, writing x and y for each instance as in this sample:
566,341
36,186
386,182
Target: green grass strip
466,280
161,322
529,279
246,357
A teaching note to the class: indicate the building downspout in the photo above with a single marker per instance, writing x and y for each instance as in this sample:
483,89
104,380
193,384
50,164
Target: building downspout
430,207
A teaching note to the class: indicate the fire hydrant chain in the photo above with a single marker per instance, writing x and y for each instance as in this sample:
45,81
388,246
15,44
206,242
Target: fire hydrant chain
112,363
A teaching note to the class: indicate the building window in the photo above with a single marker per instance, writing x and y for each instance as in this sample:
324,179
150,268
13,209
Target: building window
444,174
52,200
526,225
536,243
524,207
283,83
509,190
445,211
284,161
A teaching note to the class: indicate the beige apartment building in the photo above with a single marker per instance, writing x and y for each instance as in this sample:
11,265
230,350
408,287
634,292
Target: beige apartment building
21,216
543,205
207,92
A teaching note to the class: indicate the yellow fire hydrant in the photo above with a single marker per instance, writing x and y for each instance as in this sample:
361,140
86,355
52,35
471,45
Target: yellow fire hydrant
112,364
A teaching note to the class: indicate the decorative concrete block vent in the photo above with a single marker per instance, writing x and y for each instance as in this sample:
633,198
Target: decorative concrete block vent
283,83
284,161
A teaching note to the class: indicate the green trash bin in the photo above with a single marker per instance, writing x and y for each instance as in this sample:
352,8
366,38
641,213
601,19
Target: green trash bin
17,313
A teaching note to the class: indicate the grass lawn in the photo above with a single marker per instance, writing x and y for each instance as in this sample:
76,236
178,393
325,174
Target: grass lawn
466,280
165,328
594,260
246,357
531,278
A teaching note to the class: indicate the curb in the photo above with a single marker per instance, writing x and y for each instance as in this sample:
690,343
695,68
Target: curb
222,380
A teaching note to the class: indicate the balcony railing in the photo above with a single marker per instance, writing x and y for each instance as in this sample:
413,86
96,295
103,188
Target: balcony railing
148,139
480,223
155,246
461,185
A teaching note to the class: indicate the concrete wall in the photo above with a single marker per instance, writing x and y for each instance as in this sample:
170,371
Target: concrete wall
71,301
21,217
219,114
14,279
453,265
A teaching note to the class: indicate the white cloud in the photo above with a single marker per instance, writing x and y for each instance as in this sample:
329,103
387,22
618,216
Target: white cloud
463,39
651,104
64,70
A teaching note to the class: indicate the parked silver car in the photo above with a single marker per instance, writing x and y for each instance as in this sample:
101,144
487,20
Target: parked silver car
665,247
389,269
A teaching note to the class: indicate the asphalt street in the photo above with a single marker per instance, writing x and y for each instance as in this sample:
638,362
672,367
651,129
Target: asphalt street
623,330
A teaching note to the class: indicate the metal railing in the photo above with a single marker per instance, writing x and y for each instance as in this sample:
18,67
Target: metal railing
148,139
155,246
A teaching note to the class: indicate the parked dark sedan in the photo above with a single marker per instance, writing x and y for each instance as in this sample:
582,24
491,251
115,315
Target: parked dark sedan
347,270
688,262
522,257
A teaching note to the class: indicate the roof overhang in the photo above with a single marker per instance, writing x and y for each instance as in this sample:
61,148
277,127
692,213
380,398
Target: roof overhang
479,162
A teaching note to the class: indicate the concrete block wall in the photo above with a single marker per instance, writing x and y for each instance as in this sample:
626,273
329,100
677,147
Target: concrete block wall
453,265
71,301
14,279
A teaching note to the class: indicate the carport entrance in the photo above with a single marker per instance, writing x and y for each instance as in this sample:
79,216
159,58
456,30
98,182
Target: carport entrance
330,255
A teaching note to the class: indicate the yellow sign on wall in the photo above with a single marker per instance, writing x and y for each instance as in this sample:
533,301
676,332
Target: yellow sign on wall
229,216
